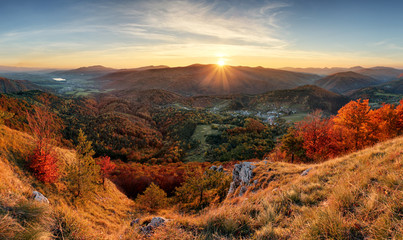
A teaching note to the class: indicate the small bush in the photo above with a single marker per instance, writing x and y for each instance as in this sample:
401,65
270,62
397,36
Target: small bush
266,232
28,212
43,165
328,224
237,225
9,227
153,198
66,225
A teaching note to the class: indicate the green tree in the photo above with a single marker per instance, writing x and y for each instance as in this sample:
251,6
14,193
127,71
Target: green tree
293,145
153,198
203,189
4,115
83,174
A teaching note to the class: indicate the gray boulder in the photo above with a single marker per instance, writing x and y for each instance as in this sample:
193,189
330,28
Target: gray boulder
213,168
217,169
37,196
135,221
241,177
304,173
155,222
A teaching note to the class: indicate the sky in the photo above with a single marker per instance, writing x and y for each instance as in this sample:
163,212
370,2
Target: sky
134,33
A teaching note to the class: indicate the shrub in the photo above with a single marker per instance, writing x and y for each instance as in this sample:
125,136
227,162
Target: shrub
328,224
8,227
43,165
235,225
153,198
203,189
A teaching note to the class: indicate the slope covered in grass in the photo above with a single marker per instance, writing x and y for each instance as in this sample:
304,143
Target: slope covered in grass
358,196
104,214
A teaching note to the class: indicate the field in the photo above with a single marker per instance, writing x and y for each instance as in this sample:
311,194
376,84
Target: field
200,134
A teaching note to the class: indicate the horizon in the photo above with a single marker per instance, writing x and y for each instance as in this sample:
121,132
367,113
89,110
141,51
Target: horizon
24,68
273,34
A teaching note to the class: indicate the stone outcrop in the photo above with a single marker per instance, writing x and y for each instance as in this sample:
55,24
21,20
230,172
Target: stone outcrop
217,169
304,173
241,178
37,196
155,222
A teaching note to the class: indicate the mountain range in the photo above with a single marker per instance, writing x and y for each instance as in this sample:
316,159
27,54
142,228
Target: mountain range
346,81
196,80
11,86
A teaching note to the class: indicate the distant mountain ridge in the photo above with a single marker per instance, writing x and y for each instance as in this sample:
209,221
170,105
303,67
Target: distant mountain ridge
381,73
346,81
12,86
304,98
197,79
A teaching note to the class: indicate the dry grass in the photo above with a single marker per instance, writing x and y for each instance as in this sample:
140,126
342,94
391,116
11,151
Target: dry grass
105,214
358,196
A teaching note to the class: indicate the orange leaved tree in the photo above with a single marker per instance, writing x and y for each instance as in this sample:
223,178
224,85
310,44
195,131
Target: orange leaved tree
42,161
354,122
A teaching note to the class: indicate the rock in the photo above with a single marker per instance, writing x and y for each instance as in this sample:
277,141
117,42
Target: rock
213,168
217,169
243,190
241,176
39,197
306,172
135,221
155,222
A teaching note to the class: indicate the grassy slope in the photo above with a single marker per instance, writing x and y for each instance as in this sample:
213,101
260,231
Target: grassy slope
356,196
353,197
104,214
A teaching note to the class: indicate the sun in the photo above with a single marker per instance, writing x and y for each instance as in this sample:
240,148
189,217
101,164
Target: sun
221,62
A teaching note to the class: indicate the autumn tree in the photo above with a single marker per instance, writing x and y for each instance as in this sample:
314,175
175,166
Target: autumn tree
383,123
83,174
43,162
399,116
4,115
354,121
315,131
293,145
201,189
153,198
106,167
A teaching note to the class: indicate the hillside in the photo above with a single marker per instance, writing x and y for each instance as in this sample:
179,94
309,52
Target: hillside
389,92
323,71
346,81
12,86
383,74
96,70
105,215
207,80
357,196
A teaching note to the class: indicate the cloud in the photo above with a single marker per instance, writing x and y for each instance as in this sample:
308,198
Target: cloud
196,21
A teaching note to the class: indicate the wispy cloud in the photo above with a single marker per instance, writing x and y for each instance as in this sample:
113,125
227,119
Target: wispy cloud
197,21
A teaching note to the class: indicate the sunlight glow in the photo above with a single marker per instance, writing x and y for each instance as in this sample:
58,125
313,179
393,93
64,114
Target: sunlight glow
221,62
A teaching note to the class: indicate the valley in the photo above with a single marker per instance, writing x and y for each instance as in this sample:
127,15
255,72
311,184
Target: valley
154,140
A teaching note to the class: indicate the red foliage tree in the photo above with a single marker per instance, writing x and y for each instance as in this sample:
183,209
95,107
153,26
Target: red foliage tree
353,120
42,162
316,133
383,123
399,116
106,167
